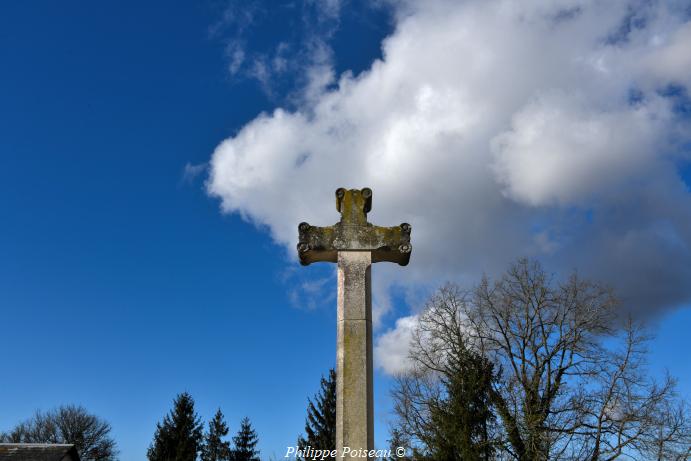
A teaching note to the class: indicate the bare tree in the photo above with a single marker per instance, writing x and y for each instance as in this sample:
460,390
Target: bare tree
670,439
570,377
443,404
67,424
623,410
544,336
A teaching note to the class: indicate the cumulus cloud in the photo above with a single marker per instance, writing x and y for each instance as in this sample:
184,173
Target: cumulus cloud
391,352
672,60
559,150
498,129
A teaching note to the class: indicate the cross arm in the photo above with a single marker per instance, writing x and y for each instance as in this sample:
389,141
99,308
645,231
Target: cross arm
354,233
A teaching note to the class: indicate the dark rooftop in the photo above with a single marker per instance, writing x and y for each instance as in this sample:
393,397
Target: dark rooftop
37,452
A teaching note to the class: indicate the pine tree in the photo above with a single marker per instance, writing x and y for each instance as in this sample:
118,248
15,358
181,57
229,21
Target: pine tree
320,425
245,443
460,422
398,442
214,447
179,436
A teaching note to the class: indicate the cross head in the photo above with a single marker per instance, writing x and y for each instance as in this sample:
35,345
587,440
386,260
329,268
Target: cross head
354,233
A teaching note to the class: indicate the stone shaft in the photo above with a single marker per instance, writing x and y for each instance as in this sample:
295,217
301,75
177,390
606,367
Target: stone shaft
354,401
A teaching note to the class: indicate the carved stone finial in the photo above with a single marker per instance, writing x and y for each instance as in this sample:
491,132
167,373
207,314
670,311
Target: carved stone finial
354,205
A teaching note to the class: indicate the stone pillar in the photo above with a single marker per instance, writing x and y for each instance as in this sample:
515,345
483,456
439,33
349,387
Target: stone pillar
354,401
354,243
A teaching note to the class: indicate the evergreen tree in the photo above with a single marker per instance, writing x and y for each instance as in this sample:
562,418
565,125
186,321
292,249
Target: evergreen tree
179,436
398,442
320,424
444,406
460,422
214,447
245,443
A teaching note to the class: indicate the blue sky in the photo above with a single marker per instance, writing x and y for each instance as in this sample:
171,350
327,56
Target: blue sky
122,283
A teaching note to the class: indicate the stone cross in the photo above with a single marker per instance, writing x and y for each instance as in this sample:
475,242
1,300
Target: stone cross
354,244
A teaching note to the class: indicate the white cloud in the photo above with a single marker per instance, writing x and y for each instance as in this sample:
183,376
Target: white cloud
292,68
191,171
671,60
327,9
391,352
498,129
560,149
237,57
309,294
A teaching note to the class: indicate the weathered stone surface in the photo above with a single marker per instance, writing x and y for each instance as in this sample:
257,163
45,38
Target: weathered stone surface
354,401
354,233
355,244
